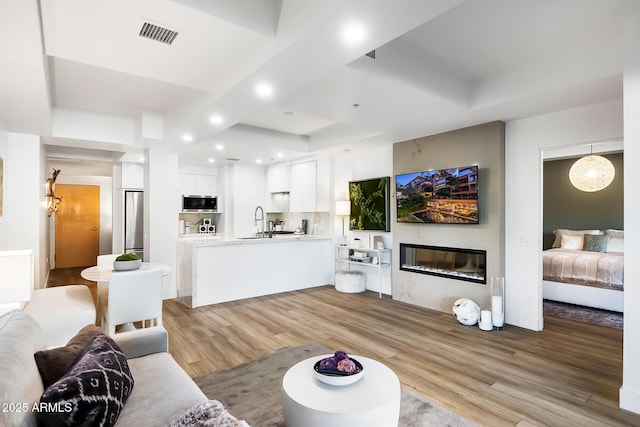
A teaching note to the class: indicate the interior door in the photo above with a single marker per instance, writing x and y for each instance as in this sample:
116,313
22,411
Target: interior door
77,225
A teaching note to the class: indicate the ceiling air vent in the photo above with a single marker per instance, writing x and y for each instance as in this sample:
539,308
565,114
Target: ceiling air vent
159,34
231,159
371,54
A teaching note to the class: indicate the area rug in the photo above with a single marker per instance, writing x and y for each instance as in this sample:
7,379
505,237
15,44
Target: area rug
252,391
596,316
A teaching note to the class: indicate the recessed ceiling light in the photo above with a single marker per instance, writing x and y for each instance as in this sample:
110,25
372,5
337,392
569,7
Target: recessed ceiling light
187,138
212,160
280,155
142,159
258,160
219,147
216,119
264,90
354,33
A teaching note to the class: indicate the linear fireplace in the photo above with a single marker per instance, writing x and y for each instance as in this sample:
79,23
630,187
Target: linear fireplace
455,263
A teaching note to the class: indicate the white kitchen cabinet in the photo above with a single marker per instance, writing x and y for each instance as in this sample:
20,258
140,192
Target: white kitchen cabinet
295,195
198,184
323,186
132,175
278,178
276,202
239,267
303,187
310,186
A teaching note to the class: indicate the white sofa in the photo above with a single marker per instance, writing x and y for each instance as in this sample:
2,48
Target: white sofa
61,312
161,393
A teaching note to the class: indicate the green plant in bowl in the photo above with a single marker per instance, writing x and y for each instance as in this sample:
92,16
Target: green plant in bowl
128,257
127,261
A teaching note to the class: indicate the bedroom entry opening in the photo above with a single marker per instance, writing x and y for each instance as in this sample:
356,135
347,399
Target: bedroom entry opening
455,263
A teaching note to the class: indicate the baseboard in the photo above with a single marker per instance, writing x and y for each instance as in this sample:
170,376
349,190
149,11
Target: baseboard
522,321
630,399
169,294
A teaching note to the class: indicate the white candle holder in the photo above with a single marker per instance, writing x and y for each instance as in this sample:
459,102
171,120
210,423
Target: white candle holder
497,302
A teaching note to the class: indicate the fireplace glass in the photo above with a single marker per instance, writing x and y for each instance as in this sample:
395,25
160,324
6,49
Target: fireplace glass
455,263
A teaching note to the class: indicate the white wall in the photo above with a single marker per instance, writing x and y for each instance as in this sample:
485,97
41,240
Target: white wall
525,140
362,162
24,215
161,207
630,390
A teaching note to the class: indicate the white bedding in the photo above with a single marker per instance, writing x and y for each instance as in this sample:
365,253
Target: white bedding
597,269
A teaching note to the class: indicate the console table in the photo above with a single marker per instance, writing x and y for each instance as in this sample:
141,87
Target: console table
383,257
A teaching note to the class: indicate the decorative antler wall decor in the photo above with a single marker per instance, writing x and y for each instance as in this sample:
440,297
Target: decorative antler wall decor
52,199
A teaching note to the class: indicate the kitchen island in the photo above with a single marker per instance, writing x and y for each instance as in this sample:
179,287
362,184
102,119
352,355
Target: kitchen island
212,269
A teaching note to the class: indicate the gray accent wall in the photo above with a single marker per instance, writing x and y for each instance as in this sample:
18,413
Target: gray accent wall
483,145
564,206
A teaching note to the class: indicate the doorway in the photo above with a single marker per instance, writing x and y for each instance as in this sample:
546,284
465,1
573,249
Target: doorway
77,226
582,284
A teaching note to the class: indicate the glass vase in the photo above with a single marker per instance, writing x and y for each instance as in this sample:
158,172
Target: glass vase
497,302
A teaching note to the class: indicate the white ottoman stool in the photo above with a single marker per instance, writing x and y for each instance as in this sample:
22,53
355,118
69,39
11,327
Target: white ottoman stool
61,312
351,281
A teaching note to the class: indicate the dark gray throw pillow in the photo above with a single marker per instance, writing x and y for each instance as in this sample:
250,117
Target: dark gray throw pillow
93,392
55,362
596,243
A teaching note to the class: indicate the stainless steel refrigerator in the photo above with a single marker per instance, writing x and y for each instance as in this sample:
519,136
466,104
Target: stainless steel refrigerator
134,222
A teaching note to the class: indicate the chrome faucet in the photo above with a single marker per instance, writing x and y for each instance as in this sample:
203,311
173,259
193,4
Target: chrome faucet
261,219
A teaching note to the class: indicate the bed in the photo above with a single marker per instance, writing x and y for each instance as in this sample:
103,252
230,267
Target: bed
585,267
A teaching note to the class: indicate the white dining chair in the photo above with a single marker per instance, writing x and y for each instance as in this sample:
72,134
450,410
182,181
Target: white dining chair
103,262
133,296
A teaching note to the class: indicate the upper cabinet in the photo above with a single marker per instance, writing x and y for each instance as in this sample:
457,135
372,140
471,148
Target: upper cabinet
310,186
198,184
132,175
278,178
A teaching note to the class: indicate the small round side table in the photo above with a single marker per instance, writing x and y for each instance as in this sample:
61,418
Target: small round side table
372,400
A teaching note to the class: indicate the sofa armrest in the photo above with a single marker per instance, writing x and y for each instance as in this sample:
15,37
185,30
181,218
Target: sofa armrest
142,342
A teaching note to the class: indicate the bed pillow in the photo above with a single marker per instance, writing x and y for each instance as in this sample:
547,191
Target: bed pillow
595,243
93,392
572,242
614,233
616,244
55,362
557,243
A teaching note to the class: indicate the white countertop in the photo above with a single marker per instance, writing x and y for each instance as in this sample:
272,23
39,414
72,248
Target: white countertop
220,240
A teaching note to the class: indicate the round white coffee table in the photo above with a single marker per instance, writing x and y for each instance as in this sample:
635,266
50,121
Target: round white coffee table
374,400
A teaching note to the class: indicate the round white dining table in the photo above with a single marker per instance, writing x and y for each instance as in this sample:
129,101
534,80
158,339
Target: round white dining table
102,276
95,274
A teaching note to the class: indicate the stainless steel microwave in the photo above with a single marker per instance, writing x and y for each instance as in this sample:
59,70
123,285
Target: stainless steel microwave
198,203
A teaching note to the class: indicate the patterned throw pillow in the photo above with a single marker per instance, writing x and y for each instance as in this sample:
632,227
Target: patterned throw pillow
93,392
55,362
595,243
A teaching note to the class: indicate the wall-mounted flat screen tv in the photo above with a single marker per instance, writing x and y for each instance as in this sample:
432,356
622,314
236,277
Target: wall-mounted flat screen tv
370,204
445,196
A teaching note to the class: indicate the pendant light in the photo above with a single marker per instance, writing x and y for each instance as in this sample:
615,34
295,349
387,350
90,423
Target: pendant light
591,173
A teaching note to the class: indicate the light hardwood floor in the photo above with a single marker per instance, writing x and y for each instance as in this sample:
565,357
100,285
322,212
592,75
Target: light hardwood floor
567,375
